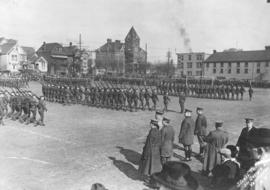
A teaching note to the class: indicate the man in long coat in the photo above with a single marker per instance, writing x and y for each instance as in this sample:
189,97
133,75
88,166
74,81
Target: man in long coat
182,100
215,140
150,160
200,129
244,155
186,134
167,138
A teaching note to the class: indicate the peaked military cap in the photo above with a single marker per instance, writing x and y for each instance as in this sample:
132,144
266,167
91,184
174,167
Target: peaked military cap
219,123
159,112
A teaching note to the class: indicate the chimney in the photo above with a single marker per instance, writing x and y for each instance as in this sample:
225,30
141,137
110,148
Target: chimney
214,51
109,40
117,41
44,46
267,48
70,44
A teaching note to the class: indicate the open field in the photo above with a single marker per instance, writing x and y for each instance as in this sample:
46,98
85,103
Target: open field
82,145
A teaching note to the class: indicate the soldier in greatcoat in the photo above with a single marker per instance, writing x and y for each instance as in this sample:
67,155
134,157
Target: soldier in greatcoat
201,129
215,140
150,160
244,156
167,139
186,134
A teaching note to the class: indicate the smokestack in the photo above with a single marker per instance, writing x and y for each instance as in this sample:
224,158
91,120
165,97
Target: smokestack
214,51
70,44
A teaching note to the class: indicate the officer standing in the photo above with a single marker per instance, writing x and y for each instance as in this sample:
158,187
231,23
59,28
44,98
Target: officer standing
186,134
250,92
41,108
200,129
167,139
166,100
182,100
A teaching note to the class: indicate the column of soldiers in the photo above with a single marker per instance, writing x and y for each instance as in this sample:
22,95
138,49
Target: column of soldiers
118,98
18,82
22,106
228,92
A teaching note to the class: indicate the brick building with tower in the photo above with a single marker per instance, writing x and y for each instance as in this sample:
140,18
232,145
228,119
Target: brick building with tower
119,57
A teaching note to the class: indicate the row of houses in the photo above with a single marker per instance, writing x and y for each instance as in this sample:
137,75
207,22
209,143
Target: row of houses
56,59
229,64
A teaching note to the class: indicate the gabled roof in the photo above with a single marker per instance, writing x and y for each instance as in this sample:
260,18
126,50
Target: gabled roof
111,47
132,33
30,52
48,47
240,56
5,48
71,50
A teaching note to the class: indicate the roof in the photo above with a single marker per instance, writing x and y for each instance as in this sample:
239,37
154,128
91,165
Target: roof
5,48
240,56
111,47
30,52
132,33
71,50
52,60
48,47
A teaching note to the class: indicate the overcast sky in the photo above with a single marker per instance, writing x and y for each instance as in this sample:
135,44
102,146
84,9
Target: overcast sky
181,25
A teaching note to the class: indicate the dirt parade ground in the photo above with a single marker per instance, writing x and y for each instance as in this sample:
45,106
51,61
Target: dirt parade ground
83,145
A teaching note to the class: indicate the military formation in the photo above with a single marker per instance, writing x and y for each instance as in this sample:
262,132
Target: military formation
113,97
14,82
22,106
228,92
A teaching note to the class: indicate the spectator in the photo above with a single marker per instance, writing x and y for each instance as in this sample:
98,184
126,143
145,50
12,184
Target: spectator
175,176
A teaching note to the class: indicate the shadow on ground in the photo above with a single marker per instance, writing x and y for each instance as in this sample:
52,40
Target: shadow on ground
130,155
128,169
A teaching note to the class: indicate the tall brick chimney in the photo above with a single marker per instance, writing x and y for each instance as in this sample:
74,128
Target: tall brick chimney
214,51
109,40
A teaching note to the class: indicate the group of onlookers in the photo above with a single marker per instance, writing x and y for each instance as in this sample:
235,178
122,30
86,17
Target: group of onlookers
228,166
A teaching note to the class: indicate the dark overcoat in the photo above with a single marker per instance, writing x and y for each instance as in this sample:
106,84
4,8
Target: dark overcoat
151,161
201,125
186,134
167,138
242,143
216,140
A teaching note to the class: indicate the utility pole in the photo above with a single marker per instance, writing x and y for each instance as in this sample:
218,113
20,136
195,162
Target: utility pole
145,58
80,42
169,57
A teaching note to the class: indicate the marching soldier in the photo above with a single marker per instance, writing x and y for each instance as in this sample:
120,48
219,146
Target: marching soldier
166,100
154,98
250,92
41,108
182,100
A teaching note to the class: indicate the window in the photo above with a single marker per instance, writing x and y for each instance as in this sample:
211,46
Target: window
221,71
214,65
266,64
207,65
229,71
199,65
238,64
180,65
258,70
198,73
60,49
246,64
229,64
189,64
14,57
221,64
189,73
180,57
214,70
199,57
258,65
238,71
189,57
246,71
